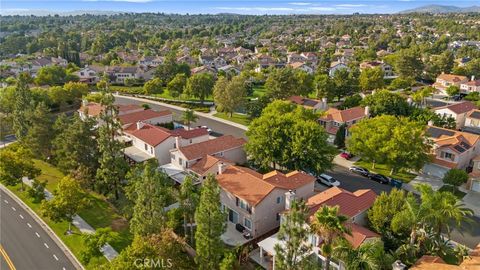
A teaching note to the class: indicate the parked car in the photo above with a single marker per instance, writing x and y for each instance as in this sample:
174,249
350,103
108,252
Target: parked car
359,170
379,178
328,180
346,155
209,130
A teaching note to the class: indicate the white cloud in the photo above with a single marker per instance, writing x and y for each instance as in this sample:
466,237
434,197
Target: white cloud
322,8
300,3
350,5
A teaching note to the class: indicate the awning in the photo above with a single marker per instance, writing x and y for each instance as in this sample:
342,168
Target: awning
174,172
136,154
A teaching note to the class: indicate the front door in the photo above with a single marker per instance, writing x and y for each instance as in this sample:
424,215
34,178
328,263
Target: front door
232,216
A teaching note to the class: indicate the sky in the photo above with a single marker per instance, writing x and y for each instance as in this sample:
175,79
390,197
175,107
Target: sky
226,6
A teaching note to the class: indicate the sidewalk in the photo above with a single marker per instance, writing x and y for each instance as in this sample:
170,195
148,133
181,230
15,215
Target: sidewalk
108,251
174,107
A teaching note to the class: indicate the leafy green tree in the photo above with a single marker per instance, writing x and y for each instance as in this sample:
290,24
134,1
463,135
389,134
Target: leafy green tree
149,192
177,84
39,136
254,107
94,242
452,90
37,191
345,83
294,233
288,135
14,166
188,117
455,177
340,136
351,101
371,79
304,81
200,85
51,75
285,82
386,102
324,86
397,142
113,166
229,262
210,221
153,86
330,226
76,90
408,63
229,95
368,256
167,70
420,95
69,199
21,107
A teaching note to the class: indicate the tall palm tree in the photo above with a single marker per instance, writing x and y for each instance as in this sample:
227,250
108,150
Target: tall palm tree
329,225
188,117
410,218
368,256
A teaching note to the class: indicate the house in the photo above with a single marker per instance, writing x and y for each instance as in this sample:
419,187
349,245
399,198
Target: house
301,66
118,74
187,59
90,74
93,109
334,66
470,262
451,149
473,182
229,69
457,111
256,201
309,103
207,60
353,205
295,57
264,61
146,116
386,68
219,62
471,86
333,118
203,69
149,141
151,61
443,81
310,57
472,122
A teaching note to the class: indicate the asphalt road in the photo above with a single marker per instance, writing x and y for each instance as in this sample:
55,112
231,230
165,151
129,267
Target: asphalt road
25,242
216,126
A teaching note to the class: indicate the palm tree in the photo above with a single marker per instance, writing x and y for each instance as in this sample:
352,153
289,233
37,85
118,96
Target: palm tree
329,225
188,117
411,218
368,256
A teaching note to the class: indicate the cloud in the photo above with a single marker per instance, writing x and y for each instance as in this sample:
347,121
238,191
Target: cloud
130,1
350,5
322,8
300,3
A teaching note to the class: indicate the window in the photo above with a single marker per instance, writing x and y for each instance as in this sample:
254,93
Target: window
146,147
447,155
151,150
190,140
180,161
248,223
278,216
279,200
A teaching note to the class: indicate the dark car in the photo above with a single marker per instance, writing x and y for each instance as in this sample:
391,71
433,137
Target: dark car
379,178
359,170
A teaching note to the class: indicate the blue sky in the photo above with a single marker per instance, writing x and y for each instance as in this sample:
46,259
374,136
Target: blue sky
226,6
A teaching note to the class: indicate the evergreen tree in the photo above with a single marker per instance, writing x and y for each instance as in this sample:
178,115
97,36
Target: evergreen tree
188,199
210,221
340,136
39,136
22,102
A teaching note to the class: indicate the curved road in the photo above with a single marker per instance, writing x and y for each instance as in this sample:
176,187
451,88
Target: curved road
24,245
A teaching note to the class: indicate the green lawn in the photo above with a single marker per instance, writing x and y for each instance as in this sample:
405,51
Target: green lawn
459,194
385,170
258,91
98,214
237,118
73,242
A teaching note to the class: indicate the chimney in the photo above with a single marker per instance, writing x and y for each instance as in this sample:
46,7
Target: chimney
430,123
367,111
221,167
140,124
473,78
289,198
398,265
84,103
324,104
177,142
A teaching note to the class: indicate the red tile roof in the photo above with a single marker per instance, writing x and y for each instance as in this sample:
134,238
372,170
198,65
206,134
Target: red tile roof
350,204
289,181
134,117
210,147
473,83
206,163
458,108
94,109
189,134
150,134
359,234
343,116
451,77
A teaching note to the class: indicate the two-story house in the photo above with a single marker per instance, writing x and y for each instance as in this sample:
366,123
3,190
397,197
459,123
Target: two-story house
333,118
353,205
473,182
386,68
451,149
147,116
471,86
149,141
457,111
119,74
335,66
301,66
90,74
254,201
93,109
309,103
295,57
443,81
472,122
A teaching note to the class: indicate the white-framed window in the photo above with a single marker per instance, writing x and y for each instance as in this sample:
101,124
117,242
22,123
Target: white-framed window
248,223
447,155
151,150
279,199
146,147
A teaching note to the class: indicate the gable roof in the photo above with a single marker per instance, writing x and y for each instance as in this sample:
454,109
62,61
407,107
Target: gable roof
343,116
307,102
134,117
451,77
350,204
471,262
150,134
475,114
208,162
456,140
459,108
210,147
253,187
359,234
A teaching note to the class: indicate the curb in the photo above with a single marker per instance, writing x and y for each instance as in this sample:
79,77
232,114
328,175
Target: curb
46,228
206,115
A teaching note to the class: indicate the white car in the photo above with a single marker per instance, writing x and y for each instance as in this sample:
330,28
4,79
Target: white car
328,180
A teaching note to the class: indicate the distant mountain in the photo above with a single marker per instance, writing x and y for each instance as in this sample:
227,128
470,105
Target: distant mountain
39,12
442,9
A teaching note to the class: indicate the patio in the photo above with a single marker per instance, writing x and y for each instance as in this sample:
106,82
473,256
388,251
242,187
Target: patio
232,237
136,154
175,172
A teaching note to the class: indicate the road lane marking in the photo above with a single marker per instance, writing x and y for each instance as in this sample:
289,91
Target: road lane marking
38,235
13,208
20,216
28,224
64,268
7,259
5,201
55,256
45,244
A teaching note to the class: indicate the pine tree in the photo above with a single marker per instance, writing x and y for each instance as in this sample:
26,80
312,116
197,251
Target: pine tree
210,221
188,199
340,136
39,136
22,99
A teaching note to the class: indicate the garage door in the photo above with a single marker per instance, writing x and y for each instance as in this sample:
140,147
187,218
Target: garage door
476,186
434,170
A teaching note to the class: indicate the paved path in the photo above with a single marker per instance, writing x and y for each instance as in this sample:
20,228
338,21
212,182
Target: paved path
108,251
26,241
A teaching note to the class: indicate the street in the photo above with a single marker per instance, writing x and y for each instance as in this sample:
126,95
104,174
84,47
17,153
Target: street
25,244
